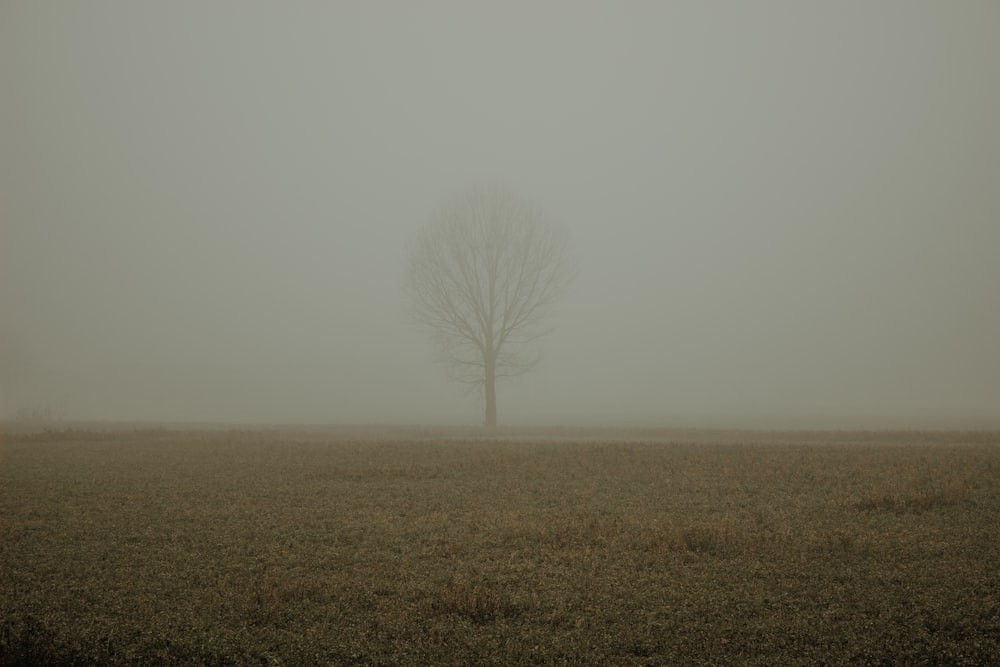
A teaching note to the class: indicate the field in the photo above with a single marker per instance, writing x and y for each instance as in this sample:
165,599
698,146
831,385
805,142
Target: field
420,546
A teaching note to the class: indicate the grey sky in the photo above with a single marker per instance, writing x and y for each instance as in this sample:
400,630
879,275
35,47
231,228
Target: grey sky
783,212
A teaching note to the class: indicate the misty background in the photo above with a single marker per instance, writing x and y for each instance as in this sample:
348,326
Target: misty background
783,213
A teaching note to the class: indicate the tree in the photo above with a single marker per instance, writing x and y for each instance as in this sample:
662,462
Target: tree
483,278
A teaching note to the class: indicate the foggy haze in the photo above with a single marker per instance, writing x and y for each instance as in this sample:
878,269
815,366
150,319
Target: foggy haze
783,213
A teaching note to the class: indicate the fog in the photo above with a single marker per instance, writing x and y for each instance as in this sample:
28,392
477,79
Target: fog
783,213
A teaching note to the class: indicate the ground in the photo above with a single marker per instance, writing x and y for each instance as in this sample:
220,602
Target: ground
125,545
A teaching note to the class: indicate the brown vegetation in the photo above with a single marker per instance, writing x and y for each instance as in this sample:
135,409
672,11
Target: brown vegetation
393,547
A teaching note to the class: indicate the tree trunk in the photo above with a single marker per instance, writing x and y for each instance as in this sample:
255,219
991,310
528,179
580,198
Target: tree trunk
490,381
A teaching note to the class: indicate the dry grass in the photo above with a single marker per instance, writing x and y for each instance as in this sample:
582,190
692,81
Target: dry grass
476,601
424,547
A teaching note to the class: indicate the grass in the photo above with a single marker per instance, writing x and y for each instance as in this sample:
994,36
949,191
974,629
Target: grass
388,547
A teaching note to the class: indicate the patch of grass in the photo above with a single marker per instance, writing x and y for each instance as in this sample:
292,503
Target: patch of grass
930,491
718,537
380,547
476,601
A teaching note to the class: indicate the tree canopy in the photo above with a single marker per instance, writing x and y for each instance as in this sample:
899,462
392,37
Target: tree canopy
483,278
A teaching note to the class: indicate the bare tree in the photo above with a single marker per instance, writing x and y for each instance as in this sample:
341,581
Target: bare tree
483,278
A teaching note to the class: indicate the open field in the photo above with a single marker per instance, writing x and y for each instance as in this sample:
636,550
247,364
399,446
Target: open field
423,546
